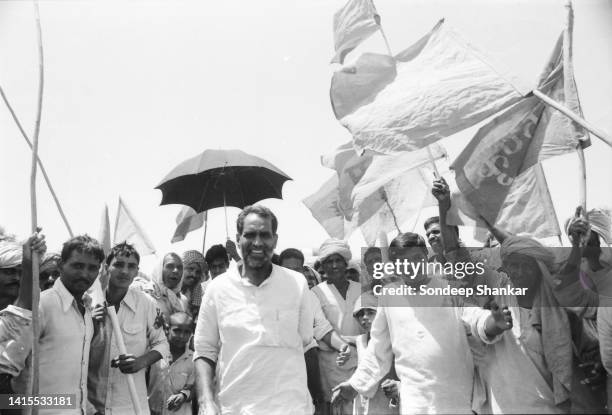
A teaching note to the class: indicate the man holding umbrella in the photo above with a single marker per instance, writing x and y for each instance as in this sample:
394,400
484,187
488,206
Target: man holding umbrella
253,324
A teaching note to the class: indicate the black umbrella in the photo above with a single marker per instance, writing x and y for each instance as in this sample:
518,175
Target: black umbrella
218,178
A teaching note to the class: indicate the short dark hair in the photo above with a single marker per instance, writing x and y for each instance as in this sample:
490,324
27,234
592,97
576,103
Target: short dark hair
260,210
436,219
291,253
215,252
83,244
123,249
372,250
429,221
406,240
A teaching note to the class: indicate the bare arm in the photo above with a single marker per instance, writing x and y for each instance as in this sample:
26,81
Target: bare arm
205,374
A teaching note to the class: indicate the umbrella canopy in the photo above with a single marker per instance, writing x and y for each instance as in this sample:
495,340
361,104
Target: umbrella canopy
218,178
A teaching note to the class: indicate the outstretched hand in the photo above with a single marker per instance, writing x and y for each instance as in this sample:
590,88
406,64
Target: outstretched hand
441,192
499,321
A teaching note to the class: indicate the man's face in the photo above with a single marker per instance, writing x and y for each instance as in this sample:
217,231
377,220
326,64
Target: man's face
335,267
9,283
217,267
257,241
79,272
414,255
294,264
522,270
47,278
370,259
433,236
191,275
172,272
123,270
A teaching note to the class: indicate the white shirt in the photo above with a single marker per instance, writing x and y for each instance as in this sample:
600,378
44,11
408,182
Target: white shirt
256,335
108,389
15,339
65,337
321,325
427,337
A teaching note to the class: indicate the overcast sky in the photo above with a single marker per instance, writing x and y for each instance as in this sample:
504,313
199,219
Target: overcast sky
132,88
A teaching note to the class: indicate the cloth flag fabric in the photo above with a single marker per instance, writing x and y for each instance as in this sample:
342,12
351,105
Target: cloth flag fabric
438,86
104,236
526,211
127,229
353,24
517,139
186,221
369,192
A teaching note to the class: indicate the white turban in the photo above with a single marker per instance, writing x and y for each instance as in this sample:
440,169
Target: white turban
334,246
10,254
601,223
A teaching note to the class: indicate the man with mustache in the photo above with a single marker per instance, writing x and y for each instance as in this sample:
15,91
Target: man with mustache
254,322
66,326
145,340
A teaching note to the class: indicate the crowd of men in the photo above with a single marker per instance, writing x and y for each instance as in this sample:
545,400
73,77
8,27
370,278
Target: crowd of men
242,330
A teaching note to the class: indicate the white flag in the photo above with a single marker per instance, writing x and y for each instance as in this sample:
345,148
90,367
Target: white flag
353,24
128,230
435,88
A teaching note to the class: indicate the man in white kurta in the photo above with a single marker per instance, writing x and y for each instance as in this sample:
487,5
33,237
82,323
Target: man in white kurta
254,322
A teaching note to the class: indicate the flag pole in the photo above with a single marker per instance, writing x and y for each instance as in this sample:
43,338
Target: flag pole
225,211
383,195
35,259
606,138
40,164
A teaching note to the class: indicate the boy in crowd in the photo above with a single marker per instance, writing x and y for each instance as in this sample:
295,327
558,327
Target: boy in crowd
144,338
171,383
386,398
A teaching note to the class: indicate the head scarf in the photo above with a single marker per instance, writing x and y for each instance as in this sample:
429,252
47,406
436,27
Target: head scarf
11,254
49,261
600,221
548,314
365,300
193,257
528,247
160,289
334,246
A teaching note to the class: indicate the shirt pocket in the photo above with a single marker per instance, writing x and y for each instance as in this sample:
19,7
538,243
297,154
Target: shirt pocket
135,338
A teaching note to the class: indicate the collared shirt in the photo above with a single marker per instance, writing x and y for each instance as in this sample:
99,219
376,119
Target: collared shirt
65,337
256,335
15,339
167,379
108,389
427,337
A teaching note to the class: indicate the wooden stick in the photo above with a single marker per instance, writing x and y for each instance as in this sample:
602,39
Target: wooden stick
574,117
122,349
433,162
40,163
35,259
205,228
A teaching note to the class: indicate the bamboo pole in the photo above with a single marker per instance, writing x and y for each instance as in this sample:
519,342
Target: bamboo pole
574,117
35,260
40,163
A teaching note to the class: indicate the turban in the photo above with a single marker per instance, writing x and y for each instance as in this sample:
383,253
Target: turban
365,300
601,223
334,246
49,261
193,257
354,264
528,247
10,254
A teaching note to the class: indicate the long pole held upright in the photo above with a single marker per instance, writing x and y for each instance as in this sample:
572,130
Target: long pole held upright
35,259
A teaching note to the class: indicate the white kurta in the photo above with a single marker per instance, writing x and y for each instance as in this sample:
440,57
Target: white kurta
427,337
256,334
339,312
